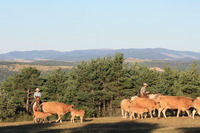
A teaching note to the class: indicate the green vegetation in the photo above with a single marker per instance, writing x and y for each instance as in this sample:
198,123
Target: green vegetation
97,86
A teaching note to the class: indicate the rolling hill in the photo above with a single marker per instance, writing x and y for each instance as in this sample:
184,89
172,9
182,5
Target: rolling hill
78,55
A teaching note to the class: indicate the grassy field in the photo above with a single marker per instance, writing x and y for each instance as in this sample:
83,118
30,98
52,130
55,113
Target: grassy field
109,124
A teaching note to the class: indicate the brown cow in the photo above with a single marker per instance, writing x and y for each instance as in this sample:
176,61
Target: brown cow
138,110
125,104
56,108
145,103
79,113
41,115
155,96
174,102
196,105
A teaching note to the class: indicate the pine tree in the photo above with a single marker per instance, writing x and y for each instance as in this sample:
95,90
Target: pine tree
22,85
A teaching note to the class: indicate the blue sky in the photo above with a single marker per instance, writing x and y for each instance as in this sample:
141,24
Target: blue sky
66,25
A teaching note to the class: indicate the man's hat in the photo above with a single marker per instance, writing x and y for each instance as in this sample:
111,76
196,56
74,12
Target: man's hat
37,89
145,84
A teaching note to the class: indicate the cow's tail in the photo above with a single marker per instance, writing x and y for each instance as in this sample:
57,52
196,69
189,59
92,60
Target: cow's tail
41,109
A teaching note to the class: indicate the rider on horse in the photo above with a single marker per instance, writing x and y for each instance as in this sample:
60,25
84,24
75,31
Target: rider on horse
143,92
37,95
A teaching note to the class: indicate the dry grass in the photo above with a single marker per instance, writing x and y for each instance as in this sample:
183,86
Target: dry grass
109,124
18,67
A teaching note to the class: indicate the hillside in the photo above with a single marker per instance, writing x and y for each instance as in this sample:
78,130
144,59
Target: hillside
78,55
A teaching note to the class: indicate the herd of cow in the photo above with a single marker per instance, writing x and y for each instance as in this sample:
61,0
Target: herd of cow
129,107
49,108
139,105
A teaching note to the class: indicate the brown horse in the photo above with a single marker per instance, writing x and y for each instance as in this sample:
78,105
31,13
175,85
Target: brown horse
36,105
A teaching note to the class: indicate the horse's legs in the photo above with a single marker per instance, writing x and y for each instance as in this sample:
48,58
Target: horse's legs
34,106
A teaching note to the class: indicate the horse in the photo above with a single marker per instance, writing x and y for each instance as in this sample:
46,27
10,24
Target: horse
36,105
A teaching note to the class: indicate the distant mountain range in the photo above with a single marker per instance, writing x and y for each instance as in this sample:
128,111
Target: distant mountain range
78,55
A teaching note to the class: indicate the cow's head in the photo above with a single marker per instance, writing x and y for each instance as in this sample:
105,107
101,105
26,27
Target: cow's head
196,104
49,114
157,105
71,107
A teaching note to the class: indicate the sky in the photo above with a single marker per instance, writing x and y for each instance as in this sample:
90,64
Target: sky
66,25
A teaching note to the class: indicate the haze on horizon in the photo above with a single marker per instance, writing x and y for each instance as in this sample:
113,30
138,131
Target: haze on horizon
114,24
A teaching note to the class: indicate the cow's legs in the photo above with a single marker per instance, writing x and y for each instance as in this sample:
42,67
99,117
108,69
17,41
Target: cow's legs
188,113
35,120
159,112
150,112
154,112
125,112
122,113
141,115
48,120
72,119
193,113
133,114
164,112
81,117
59,118
178,112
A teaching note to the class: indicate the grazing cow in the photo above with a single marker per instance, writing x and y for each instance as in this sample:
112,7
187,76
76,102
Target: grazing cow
196,105
132,98
174,102
125,104
57,108
79,113
145,103
138,110
154,96
41,115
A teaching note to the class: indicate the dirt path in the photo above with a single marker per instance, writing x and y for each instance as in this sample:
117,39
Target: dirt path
109,124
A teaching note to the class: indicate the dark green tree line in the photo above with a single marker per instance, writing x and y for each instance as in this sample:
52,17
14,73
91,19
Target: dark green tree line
97,86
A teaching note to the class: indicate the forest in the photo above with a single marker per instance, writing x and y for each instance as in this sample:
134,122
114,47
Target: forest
97,86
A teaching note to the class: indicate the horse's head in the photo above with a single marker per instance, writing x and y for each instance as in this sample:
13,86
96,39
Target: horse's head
37,99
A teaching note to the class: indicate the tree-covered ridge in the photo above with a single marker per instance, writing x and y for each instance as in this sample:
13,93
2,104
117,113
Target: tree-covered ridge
97,86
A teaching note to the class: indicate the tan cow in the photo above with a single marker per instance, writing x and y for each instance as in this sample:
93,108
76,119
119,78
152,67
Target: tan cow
138,110
174,102
196,105
41,115
77,113
125,104
145,103
57,108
